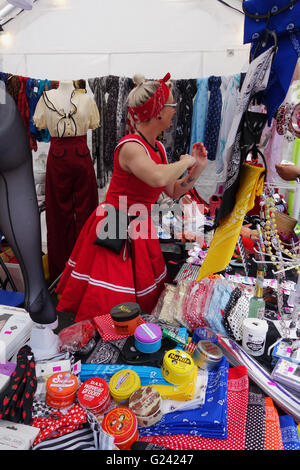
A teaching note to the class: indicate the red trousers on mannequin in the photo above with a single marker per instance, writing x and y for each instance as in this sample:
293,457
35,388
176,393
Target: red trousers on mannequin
71,196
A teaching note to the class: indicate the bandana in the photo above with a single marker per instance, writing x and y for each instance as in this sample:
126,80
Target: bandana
153,106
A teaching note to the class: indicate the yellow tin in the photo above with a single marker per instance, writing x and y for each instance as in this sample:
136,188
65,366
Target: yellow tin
123,384
177,367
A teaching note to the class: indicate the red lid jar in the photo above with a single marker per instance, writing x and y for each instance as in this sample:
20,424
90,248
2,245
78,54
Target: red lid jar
61,389
121,423
93,395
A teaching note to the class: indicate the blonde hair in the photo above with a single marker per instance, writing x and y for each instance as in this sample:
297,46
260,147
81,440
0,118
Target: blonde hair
143,91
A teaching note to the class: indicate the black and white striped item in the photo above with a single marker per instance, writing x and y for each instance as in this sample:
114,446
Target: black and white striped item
82,439
187,272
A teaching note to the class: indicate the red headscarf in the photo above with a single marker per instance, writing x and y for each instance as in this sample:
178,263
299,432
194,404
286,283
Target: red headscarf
153,106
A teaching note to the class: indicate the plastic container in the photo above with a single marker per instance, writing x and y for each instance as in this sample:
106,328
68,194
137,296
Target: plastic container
93,395
146,405
61,389
207,355
123,384
148,338
177,367
126,317
121,423
254,336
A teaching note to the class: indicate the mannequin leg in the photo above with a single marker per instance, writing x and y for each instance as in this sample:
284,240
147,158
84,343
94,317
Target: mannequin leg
19,215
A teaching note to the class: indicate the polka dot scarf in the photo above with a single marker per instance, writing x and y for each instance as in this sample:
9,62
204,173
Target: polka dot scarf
16,400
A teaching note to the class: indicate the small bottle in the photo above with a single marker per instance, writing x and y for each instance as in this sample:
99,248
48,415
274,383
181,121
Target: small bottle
257,303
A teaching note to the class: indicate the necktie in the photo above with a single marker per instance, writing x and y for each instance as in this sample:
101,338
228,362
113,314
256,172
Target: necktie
213,118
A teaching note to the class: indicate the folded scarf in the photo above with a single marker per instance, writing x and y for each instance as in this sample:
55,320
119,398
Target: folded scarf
210,420
289,433
273,439
236,421
256,420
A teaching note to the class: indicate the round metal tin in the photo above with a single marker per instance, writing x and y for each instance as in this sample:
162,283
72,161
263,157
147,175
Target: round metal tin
207,355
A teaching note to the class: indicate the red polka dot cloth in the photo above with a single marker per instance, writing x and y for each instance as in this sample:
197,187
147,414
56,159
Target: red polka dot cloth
273,437
106,329
59,424
238,385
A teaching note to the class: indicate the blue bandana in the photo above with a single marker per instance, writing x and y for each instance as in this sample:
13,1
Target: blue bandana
287,28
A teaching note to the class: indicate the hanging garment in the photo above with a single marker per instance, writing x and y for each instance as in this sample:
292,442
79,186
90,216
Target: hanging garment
13,86
106,95
17,398
255,424
24,111
199,112
230,94
271,147
186,93
213,118
170,133
96,278
255,80
125,86
226,235
32,98
71,195
44,85
237,398
286,26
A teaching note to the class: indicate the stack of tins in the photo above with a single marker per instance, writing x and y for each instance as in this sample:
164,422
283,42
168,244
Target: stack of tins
146,405
61,389
93,395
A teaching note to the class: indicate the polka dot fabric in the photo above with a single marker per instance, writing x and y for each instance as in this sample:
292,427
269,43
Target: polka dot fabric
273,438
58,424
238,384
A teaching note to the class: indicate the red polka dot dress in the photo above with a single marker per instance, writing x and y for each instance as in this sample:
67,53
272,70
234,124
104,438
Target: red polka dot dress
96,278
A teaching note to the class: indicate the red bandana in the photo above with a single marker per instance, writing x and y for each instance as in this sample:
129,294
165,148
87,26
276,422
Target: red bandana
153,106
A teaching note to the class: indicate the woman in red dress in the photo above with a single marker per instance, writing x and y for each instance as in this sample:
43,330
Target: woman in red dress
96,278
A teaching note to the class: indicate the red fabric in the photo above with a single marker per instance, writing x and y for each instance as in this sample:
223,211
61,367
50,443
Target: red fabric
106,329
24,111
273,438
59,424
96,278
71,195
238,385
153,106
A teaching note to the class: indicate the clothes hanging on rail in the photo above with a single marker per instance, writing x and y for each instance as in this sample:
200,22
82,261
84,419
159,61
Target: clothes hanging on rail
256,79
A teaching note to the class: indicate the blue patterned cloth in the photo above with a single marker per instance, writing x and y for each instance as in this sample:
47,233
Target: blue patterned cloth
33,98
208,421
199,112
219,300
289,433
213,119
45,134
287,27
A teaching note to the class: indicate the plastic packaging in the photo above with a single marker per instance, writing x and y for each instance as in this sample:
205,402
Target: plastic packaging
75,337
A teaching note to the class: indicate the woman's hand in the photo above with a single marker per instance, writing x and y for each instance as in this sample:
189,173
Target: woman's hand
189,160
200,154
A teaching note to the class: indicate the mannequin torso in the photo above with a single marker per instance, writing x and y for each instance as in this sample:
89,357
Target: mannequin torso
62,96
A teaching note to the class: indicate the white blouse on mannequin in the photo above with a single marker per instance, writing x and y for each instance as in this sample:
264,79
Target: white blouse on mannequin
66,112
